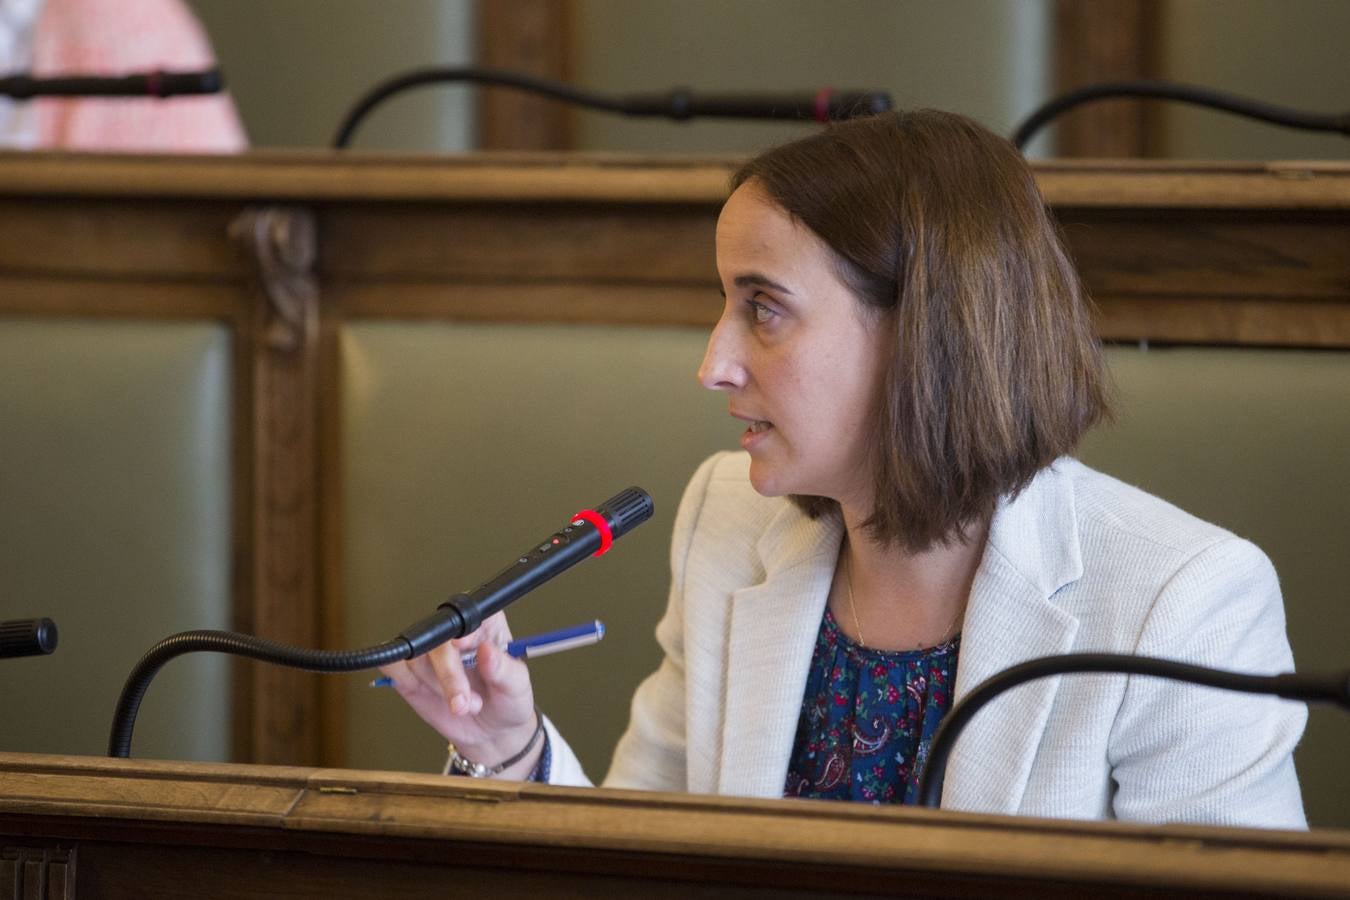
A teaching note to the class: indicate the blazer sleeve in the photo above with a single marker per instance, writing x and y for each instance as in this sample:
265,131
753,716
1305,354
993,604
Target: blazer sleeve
1184,753
651,755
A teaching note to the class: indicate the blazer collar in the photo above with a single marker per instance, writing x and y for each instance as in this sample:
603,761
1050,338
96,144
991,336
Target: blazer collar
1033,550
772,635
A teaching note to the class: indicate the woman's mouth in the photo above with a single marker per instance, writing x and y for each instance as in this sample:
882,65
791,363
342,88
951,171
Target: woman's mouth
755,433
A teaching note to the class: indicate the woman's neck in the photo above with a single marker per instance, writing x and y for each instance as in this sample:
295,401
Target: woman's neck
899,599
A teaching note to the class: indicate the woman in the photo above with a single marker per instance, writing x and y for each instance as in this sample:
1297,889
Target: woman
913,357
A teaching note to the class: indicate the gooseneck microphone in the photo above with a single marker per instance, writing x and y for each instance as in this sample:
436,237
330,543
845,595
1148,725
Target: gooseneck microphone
1333,688
824,105
27,637
588,533
148,84
1335,123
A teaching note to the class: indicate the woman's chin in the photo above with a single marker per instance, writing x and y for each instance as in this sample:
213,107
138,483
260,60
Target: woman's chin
766,481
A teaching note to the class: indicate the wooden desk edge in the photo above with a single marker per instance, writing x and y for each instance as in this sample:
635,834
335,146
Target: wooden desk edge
424,807
316,176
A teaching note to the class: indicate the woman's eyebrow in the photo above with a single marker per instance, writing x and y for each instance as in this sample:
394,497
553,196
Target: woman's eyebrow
754,279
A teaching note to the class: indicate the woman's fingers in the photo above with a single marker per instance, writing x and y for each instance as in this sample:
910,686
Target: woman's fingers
477,707
501,675
443,668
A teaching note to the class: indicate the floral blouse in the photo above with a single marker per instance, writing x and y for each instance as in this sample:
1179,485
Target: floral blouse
867,718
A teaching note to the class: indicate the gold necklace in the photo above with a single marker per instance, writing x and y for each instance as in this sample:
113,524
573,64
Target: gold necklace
853,608
848,584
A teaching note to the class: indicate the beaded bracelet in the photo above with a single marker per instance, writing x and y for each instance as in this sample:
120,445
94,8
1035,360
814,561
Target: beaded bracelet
462,765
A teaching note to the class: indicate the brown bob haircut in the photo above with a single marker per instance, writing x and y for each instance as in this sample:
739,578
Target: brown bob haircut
938,228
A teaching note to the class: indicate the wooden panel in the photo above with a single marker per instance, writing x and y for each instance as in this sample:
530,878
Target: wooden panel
349,177
41,872
1245,322
142,828
530,37
331,565
1208,255
650,180
524,243
1106,40
116,240
283,405
586,302
88,296
1147,186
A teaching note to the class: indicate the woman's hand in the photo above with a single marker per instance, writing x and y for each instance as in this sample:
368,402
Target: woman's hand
487,712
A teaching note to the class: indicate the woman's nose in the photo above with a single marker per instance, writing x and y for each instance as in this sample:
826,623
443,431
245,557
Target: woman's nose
721,371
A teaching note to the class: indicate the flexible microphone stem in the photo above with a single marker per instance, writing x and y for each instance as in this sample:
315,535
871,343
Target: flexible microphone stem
149,84
1183,93
138,682
1310,688
589,533
824,105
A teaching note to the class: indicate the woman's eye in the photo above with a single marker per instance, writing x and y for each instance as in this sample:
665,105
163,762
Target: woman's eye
760,312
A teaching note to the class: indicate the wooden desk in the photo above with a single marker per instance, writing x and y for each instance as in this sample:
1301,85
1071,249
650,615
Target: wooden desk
110,829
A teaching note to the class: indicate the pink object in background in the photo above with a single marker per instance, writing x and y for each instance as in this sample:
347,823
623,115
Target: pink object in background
117,37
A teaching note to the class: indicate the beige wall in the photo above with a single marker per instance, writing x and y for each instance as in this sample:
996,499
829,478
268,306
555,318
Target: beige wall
1287,52
296,66
115,523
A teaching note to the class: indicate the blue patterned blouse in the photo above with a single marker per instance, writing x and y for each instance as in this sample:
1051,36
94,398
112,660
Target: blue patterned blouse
867,717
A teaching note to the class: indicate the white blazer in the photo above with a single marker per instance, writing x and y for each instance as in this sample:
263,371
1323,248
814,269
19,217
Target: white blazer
1078,562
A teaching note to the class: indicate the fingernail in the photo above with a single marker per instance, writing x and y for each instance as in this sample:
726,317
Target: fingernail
458,704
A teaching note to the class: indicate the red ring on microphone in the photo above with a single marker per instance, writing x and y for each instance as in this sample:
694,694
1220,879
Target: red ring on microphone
606,536
823,104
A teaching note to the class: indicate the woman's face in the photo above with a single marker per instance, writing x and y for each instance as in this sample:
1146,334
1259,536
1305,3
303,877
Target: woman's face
796,354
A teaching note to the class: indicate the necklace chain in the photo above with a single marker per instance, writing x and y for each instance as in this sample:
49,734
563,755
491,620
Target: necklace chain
853,608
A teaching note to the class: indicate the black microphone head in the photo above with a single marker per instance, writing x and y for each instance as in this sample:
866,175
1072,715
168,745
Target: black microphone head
627,510
27,637
174,84
858,104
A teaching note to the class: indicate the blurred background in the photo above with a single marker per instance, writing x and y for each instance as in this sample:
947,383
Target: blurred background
294,66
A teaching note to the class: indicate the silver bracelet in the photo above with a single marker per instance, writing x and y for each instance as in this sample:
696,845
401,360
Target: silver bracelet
462,765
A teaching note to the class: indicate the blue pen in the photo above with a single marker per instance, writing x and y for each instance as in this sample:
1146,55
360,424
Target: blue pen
538,645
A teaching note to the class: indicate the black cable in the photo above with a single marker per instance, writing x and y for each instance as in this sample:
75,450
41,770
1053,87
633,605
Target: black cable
1316,688
1183,93
147,84
138,682
677,104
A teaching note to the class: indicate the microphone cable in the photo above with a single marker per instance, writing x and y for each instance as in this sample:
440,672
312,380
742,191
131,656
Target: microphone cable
1314,688
1182,93
824,105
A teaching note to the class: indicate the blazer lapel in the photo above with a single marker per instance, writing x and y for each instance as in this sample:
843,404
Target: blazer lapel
773,632
1032,552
